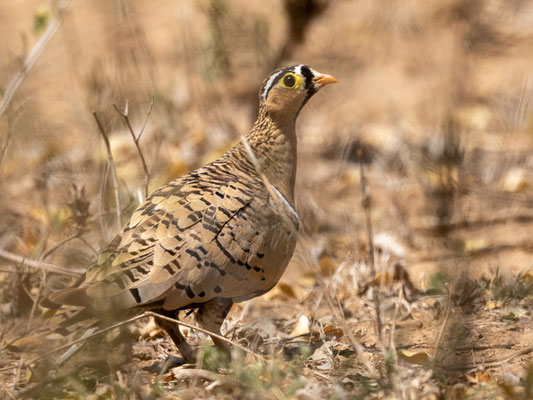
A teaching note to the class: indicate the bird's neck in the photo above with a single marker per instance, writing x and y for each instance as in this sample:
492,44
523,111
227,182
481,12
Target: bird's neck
273,142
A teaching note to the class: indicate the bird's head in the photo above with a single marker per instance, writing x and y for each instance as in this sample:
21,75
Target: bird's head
286,90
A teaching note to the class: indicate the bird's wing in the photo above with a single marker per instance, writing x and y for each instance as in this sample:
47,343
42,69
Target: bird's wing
171,245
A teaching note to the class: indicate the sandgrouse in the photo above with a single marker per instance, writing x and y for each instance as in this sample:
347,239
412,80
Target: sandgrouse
218,235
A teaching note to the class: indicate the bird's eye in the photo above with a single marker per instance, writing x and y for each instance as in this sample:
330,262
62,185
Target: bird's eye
289,80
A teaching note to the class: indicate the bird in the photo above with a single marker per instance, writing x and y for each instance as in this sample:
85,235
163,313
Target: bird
219,235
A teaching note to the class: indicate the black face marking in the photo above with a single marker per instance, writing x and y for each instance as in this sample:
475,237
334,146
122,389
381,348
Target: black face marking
303,70
309,86
308,75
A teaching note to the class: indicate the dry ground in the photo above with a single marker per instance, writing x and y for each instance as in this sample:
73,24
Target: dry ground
434,95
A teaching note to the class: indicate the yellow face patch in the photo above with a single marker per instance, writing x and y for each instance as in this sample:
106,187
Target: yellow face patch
292,81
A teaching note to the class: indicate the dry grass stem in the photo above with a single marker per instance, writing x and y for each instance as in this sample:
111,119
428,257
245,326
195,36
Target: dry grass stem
490,363
74,348
16,376
128,321
338,317
33,56
113,171
445,322
125,114
196,328
37,298
366,202
40,265
61,243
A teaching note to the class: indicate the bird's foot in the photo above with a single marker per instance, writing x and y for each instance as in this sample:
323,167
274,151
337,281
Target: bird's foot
162,367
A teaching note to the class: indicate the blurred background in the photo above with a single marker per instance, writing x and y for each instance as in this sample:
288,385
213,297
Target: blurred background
434,94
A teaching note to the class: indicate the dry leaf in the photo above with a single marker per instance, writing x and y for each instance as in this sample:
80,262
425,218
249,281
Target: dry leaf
527,277
28,343
479,377
327,266
382,279
492,304
515,180
334,331
413,357
475,244
286,289
301,327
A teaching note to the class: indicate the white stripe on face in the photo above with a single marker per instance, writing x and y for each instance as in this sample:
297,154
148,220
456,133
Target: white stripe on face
297,69
269,84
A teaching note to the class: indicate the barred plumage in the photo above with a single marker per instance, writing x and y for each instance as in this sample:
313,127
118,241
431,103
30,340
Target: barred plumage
212,237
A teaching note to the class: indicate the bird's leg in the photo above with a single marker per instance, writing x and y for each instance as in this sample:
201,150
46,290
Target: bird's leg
173,331
211,315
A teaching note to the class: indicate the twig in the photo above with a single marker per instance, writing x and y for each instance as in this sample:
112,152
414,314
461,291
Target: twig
125,114
4,148
40,264
128,321
212,334
392,343
61,243
34,55
37,299
86,243
8,392
495,362
74,348
366,202
445,322
17,375
113,171
356,345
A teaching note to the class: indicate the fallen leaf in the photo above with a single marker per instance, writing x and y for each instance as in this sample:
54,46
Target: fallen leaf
527,277
334,331
286,289
475,244
479,377
413,357
301,327
327,266
515,180
322,359
28,343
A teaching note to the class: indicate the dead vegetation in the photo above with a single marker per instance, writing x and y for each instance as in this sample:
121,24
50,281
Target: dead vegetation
412,277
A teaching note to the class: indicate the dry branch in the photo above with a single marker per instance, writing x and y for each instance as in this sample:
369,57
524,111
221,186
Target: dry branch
40,264
61,243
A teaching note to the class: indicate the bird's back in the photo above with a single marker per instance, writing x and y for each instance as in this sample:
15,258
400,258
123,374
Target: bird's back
215,232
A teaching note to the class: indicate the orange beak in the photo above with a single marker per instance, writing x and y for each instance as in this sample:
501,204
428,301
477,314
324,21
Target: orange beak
321,80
